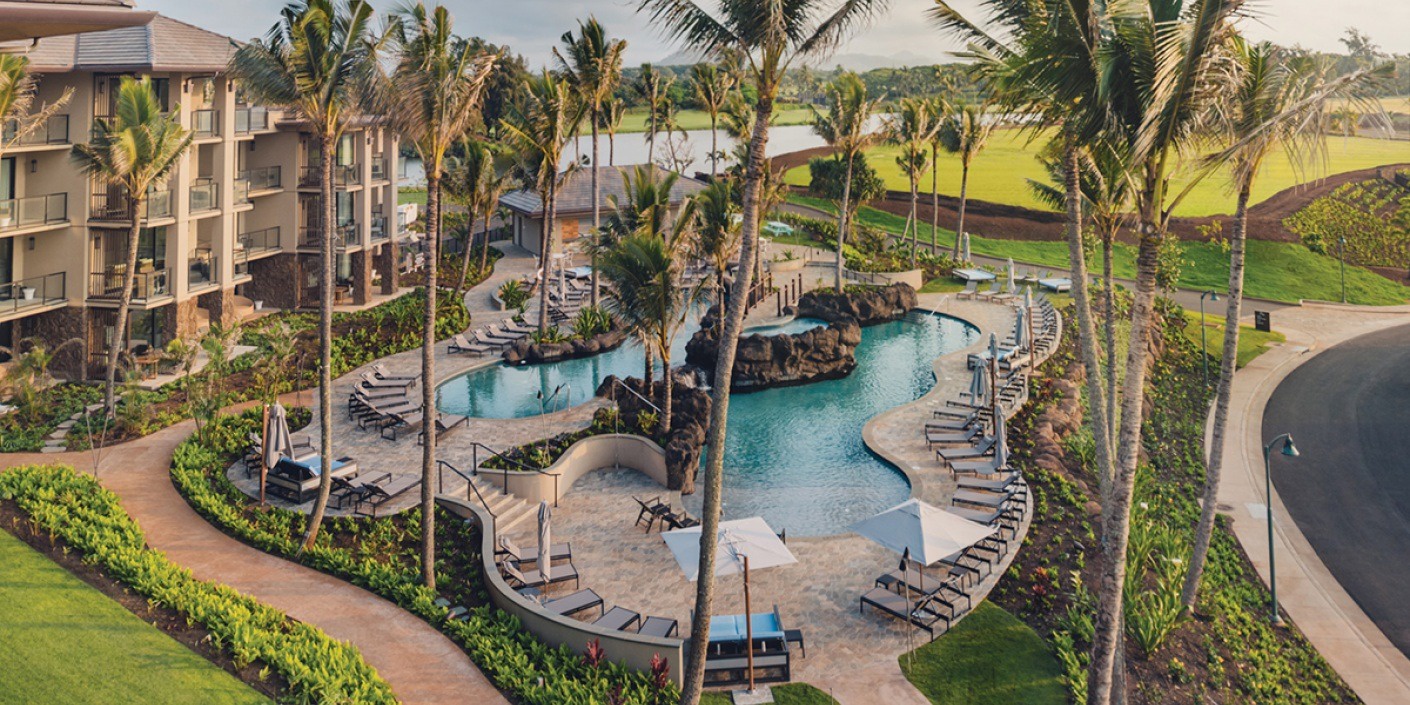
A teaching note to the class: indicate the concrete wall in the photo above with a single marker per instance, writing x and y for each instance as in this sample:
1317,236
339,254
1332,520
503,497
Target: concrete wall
627,648
587,455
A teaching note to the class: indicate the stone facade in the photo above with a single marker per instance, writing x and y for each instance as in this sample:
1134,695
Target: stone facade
221,307
57,327
275,281
184,319
361,277
526,350
780,360
387,266
868,305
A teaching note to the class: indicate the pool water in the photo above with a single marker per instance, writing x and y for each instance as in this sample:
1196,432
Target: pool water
791,327
794,455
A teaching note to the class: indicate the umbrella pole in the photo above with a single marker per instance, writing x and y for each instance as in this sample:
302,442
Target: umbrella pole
1032,343
748,625
264,450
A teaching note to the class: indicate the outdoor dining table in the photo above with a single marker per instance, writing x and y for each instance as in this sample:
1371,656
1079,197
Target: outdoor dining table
973,275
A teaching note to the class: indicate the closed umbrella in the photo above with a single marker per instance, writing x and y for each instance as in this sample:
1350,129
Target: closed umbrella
964,253
278,443
977,385
1020,328
1001,440
545,541
1013,287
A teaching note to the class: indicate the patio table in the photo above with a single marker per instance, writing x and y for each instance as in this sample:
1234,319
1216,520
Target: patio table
1058,285
973,275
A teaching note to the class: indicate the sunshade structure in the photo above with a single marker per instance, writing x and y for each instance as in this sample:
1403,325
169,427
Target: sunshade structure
1001,437
1020,328
278,442
1013,286
545,565
978,384
964,250
743,544
928,532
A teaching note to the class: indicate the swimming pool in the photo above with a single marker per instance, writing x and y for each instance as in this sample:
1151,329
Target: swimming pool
794,455
790,327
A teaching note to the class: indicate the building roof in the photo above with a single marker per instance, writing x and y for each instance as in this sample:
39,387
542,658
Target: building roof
575,195
163,44
24,20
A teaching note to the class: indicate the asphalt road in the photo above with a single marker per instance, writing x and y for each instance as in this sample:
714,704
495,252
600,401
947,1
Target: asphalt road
1349,492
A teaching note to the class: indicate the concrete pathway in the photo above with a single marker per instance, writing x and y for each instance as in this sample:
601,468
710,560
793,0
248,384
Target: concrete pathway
421,664
1307,590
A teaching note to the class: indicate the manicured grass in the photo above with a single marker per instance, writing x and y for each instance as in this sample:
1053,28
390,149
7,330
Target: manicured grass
636,120
787,694
1001,172
411,195
62,641
1279,271
1252,342
989,657
942,285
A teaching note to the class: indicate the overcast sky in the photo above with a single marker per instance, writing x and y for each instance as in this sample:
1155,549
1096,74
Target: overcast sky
532,27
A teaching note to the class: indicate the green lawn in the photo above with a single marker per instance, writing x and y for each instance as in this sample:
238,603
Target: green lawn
411,195
1252,343
62,641
942,285
1279,271
1000,174
789,694
635,120
989,657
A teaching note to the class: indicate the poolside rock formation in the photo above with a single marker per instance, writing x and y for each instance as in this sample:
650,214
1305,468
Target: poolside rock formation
527,351
868,306
690,417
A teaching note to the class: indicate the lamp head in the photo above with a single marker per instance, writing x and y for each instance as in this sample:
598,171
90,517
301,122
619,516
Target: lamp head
1289,449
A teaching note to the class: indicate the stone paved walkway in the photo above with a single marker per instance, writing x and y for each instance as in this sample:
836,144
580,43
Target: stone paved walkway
420,663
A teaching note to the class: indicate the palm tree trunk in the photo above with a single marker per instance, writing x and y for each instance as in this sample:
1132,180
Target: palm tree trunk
325,341
545,247
719,409
469,242
612,147
666,385
129,281
596,212
915,219
1109,297
428,383
934,198
1227,367
714,143
964,194
651,134
842,221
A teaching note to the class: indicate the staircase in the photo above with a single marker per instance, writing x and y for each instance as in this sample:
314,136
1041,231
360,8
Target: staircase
509,510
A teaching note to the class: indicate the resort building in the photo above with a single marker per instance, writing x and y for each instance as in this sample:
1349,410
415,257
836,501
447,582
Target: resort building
234,224
574,211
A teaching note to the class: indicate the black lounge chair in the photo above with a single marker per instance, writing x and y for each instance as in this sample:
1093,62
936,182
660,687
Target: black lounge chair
617,619
661,627
942,590
445,423
458,344
533,578
985,466
371,382
379,493
677,521
558,552
938,437
381,372
651,510
921,613
991,500
351,490
984,447
568,605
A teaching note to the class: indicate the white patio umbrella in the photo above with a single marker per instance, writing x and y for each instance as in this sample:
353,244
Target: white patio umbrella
741,544
1020,328
1013,287
1001,438
545,562
978,385
278,442
927,532
964,247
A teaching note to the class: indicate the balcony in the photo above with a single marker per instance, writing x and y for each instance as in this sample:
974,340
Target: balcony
249,120
205,124
32,294
344,175
343,235
203,270
205,196
379,170
379,228
112,205
146,286
35,211
54,132
267,178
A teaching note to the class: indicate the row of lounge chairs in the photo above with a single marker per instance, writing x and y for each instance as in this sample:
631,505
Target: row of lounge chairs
655,512
384,402
997,292
487,339
367,494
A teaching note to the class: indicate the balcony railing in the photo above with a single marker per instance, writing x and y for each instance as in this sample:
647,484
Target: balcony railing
309,236
379,169
256,242
112,205
33,292
343,175
107,285
205,123
203,270
205,195
379,228
242,192
249,120
264,178
16,213
55,130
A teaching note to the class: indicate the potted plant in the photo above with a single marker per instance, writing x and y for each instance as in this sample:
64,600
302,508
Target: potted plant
27,292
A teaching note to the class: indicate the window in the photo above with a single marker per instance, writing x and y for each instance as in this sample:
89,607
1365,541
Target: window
149,327
345,150
7,178
7,260
344,205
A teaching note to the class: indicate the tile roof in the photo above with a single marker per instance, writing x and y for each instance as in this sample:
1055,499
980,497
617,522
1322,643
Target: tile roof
164,44
575,196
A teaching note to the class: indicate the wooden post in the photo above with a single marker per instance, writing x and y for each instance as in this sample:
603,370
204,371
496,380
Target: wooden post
264,448
748,624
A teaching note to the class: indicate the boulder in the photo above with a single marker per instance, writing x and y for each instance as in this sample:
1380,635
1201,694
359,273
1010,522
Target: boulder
764,361
690,418
868,306
527,351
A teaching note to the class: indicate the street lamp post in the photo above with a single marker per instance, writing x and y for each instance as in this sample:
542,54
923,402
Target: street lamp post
1203,337
1341,241
1290,451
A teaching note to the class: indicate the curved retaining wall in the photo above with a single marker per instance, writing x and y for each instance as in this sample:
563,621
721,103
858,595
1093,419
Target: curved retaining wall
627,648
613,450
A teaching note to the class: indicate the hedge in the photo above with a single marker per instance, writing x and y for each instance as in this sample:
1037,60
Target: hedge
90,519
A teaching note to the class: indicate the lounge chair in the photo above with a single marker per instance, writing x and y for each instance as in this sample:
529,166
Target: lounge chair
533,578
481,338
458,344
558,552
651,510
568,605
986,466
1000,484
513,326
371,382
944,590
379,415
937,437
491,333
990,500
922,613
445,423
984,447
379,493
971,289
677,521
951,425
617,619
660,627
381,372
398,421
352,489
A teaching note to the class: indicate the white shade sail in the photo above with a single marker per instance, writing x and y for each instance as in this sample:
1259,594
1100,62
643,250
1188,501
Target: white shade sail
928,532
750,537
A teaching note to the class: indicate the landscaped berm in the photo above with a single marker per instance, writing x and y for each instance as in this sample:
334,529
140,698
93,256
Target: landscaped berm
366,362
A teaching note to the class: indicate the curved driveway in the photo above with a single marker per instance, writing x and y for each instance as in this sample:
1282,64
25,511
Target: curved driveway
1349,492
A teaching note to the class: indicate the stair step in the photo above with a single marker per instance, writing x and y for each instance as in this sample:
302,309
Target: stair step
52,449
512,518
66,425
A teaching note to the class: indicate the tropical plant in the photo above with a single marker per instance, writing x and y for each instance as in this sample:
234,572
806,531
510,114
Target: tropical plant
914,128
963,131
475,181
539,128
130,152
653,88
318,61
846,128
590,321
513,294
766,37
717,229
18,117
29,375
712,86
592,63
612,112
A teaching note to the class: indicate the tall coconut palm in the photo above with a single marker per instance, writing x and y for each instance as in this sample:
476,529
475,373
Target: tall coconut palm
651,85
318,61
644,207
712,86
592,63
717,231
913,127
846,128
433,98
539,128
768,37
1280,101
612,112
939,106
18,117
475,181
131,151
965,133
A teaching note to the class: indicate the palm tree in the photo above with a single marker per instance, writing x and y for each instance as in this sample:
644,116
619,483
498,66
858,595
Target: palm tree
433,98
131,151
593,66
475,181
319,61
713,88
612,112
1280,101
717,230
963,132
914,128
651,85
540,129
938,106
845,128
767,37
18,118
645,207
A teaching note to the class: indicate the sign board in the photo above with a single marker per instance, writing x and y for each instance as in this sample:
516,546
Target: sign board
1262,320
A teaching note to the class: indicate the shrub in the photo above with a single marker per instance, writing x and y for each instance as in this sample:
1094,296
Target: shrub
828,175
590,321
514,295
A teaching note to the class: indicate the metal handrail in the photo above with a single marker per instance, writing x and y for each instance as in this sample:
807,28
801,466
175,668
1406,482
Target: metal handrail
634,393
469,484
475,447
